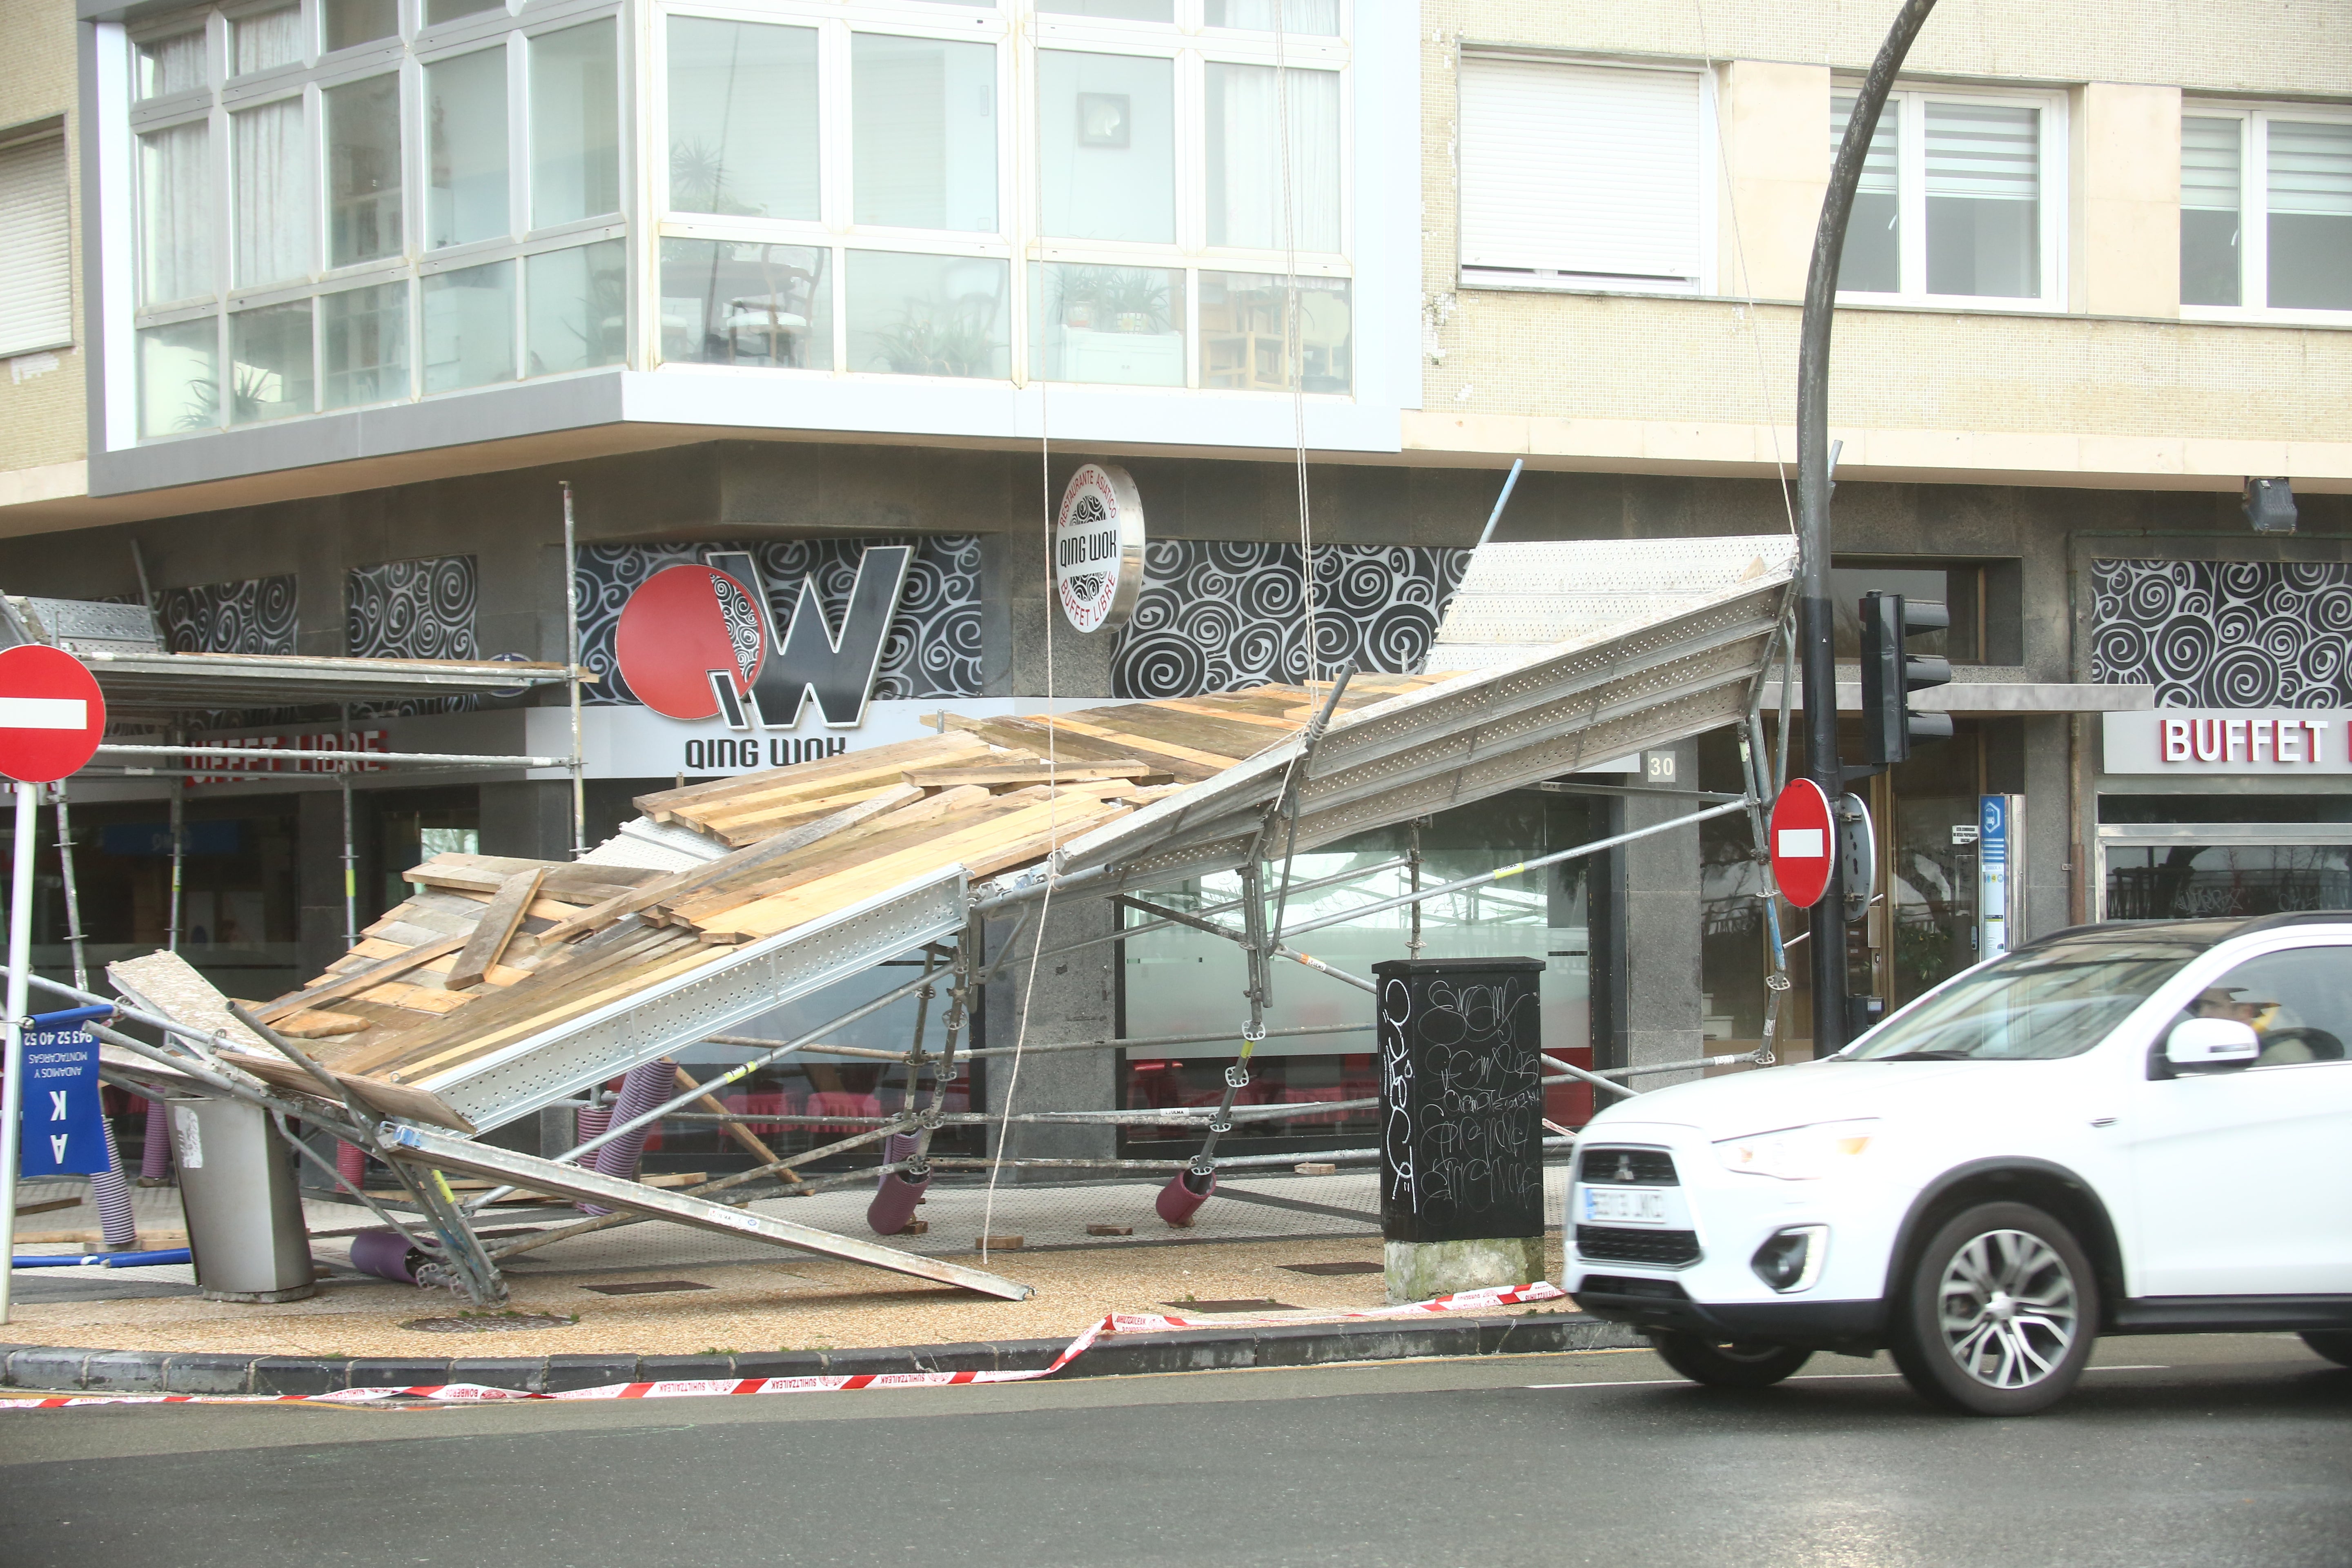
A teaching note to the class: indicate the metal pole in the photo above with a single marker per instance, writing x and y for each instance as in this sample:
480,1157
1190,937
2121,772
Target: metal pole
1816,623
572,678
351,860
178,855
20,959
1502,500
73,895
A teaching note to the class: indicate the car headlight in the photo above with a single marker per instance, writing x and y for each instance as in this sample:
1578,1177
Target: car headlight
1799,1154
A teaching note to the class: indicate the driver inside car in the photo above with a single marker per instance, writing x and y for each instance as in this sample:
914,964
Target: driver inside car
2264,1017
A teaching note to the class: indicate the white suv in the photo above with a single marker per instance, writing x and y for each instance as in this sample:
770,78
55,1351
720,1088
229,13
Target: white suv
2117,1130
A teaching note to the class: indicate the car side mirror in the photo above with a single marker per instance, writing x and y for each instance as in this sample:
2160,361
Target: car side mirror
2206,1044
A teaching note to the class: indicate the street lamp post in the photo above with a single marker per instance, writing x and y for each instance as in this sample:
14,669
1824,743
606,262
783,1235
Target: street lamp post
1816,623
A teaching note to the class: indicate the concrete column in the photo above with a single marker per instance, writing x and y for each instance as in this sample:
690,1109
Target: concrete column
1776,137
1663,1003
1018,601
531,820
1076,999
319,879
2125,245
2048,846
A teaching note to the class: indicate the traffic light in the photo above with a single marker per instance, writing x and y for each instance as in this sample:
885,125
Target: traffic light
1891,673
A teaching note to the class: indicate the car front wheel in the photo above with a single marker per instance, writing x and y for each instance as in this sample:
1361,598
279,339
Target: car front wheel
1999,1313
1728,1364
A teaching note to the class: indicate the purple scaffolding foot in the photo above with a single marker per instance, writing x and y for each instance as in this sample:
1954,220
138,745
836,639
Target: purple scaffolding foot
1183,1194
386,1255
894,1206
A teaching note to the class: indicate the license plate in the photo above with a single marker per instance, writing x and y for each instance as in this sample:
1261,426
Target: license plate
1625,1205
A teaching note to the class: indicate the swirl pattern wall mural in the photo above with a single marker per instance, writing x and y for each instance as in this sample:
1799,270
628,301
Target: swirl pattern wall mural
412,609
254,614
1220,613
933,649
2225,634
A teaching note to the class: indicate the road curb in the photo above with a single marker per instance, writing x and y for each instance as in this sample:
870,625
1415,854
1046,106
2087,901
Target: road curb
54,1369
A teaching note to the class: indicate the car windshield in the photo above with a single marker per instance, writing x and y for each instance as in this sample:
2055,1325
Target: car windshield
2034,1006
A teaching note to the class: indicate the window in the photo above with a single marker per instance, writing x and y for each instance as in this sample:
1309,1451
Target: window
271,172
279,275
577,302
2266,210
575,125
35,257
350,23
1107,146
930,315
269,362
1582,176
1251,116
742,118
1244,331
169,64
365,340
2212,194
1955,201
176,221
465,131
923,137
728,303
2297,1003
1122,325
364,171
1258,15
469,330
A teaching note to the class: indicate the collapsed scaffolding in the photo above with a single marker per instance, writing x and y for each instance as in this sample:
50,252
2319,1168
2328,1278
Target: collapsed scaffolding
1552,658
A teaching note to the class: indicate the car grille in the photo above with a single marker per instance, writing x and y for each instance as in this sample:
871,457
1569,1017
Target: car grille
1628,1168
1659,1248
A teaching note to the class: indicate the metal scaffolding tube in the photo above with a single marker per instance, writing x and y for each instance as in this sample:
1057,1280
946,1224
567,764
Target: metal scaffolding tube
1443,889
323,760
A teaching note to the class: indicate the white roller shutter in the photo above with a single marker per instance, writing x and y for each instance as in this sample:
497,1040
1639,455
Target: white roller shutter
36,249
1588,171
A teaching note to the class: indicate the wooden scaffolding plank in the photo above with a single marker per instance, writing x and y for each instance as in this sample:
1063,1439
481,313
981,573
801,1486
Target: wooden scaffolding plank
496,928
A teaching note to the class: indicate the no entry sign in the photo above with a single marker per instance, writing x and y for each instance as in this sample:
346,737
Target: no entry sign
1801,842
51,714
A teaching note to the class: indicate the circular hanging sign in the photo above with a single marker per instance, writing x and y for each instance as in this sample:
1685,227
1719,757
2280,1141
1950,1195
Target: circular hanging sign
51,715
1098,548
1802,842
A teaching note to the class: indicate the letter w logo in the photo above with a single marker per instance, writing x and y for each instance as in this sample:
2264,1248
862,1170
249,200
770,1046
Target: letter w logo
809,658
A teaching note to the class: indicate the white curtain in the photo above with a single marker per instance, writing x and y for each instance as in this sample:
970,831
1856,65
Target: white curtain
175,213
270,39
1245,194
1297,15
272,171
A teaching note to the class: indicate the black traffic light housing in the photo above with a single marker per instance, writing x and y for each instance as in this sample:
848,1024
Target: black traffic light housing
1891,673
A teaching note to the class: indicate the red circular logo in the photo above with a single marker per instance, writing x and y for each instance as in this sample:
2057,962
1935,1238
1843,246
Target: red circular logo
51,714
682,627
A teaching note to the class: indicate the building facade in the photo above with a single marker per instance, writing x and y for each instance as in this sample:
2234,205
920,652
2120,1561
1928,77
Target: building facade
362,282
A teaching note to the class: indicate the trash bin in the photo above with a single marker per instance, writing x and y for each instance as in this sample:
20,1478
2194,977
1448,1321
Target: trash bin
1461,1123
244,1207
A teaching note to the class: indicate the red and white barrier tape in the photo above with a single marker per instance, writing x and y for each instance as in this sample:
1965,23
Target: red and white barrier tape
689,1388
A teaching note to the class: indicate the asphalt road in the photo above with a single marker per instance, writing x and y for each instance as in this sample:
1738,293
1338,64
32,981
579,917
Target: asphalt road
2195,1451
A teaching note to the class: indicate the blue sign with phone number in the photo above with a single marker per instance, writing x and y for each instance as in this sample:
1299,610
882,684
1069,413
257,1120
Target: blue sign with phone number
63,1124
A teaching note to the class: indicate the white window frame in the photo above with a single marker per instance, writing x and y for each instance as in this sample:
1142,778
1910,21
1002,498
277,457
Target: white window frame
404,54
1909,100
1018,28
1708,180
2253,211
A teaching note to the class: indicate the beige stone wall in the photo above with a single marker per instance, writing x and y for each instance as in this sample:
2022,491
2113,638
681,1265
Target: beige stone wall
1574,374
43,424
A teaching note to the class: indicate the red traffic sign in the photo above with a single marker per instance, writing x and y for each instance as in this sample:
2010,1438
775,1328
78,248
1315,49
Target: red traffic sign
51,713
1802,843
